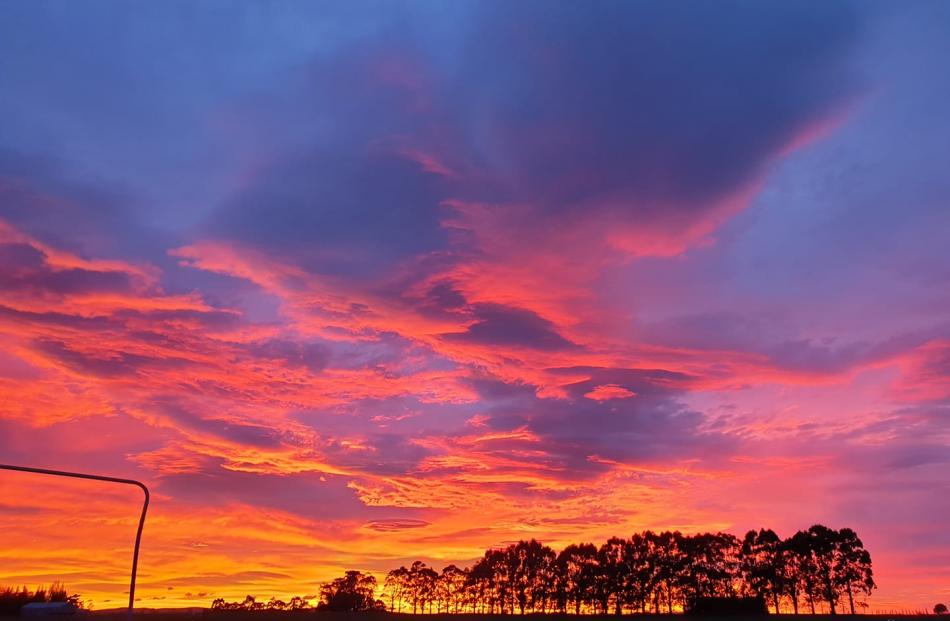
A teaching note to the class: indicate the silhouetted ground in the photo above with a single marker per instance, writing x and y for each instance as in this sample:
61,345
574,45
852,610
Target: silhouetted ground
207,615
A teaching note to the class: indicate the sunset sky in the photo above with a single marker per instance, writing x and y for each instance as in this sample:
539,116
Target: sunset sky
352,284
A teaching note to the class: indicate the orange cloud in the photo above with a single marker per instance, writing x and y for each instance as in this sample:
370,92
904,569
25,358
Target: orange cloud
606,392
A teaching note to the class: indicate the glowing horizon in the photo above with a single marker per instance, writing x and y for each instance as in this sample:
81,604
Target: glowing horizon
355,284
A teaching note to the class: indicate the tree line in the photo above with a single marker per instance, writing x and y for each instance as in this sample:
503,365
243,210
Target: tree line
648,572
250,603
355,591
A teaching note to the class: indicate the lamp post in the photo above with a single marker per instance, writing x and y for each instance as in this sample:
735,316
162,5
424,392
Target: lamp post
96,477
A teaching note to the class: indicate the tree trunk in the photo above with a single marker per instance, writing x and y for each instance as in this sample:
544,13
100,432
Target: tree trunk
775,601
830,594
850,598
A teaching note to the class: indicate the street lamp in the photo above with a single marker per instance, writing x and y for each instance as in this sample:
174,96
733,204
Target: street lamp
96,477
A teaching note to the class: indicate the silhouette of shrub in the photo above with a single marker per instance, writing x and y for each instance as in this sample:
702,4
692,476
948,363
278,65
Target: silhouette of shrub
14,598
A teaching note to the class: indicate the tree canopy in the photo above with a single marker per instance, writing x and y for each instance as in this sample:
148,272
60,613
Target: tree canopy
659,572
649,571
351,593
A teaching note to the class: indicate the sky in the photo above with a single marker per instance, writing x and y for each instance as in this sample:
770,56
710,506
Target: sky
353,284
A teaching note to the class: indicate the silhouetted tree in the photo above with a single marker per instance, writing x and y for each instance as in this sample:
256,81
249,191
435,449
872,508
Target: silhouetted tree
940,609
452,587
805,579
612,574
653,570
297,603
762,562
275,604
793,566
353,592
852,566
638,564
397,586
710,565
422,582
577,569
486,581
824,550
251,603
670,560
527,562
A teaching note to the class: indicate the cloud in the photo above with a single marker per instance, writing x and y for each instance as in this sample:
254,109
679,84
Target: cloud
386,526
45,198
108,365
313,356
606,392
337,212
724,90
926,371
559,115
496,324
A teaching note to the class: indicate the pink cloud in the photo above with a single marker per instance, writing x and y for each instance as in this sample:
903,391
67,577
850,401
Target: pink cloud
607,392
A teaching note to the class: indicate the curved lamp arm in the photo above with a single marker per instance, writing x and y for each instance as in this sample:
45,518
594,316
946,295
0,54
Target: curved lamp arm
96,477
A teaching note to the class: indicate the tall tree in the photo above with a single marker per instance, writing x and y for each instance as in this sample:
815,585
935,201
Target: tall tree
421,586
801,575
711,562
670,560
639,568
527,562
489,578
762,563
542,594
823,545
614,574
425,582
577,565
396,586
452,582
852,566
